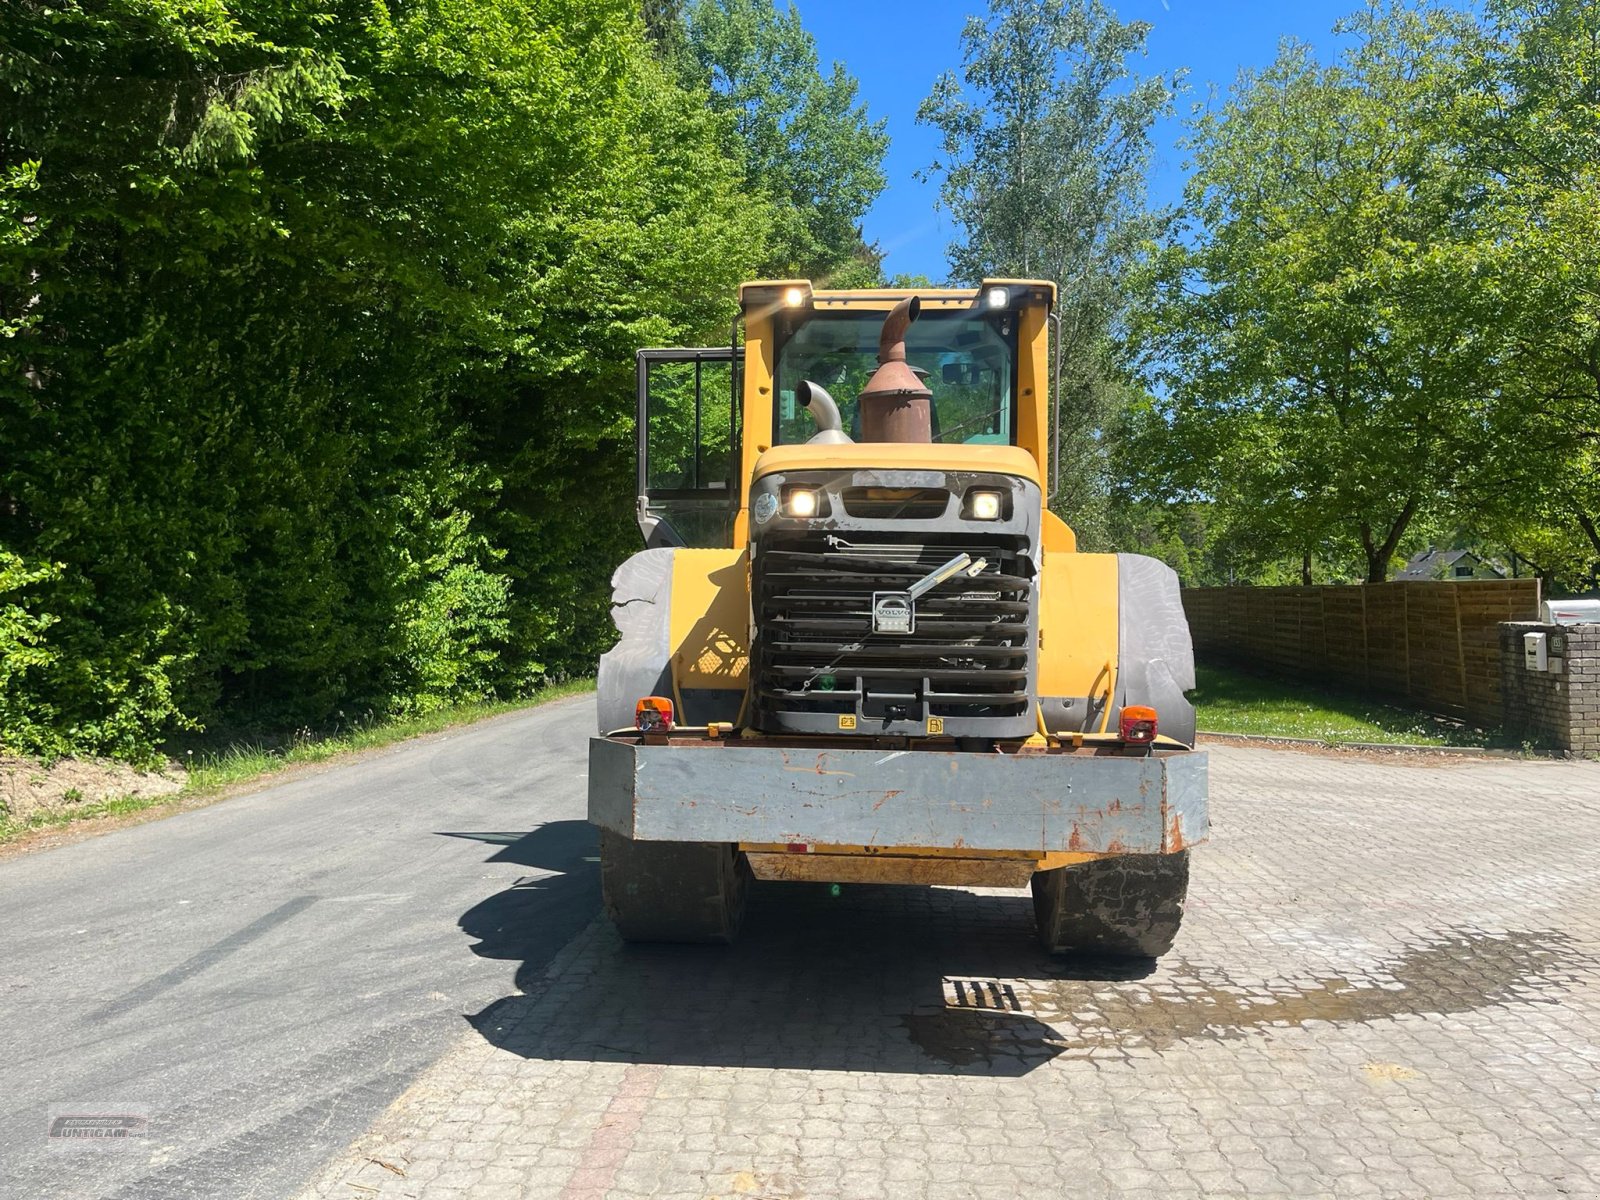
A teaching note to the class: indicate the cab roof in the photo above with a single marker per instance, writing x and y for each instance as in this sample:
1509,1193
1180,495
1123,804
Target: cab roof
763,293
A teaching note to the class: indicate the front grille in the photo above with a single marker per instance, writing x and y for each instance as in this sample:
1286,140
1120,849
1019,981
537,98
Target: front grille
896,504
969,656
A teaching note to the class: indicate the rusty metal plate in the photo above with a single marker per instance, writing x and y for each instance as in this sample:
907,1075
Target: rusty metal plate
899,799
886,868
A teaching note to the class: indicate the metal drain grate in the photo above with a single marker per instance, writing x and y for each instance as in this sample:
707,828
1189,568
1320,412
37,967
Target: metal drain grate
988,995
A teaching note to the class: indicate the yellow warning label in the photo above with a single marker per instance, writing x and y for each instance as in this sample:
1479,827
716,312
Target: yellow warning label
847,721
935,724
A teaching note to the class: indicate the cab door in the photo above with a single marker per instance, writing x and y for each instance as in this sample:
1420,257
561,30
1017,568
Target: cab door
688,446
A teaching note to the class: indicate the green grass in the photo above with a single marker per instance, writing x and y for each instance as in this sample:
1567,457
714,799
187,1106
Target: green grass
212,771
53,818
1228,701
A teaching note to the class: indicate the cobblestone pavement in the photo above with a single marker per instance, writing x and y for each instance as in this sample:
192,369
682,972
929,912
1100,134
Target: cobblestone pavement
1386,986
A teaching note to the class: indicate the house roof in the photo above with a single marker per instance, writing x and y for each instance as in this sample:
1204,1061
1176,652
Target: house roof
1427,564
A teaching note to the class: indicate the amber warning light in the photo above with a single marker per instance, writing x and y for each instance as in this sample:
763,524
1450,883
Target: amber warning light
653,714
1137,725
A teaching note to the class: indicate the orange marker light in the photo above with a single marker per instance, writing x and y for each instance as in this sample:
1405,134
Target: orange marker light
653,714
1137,725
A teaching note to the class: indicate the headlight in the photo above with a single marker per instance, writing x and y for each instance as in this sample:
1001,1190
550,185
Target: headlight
800,502
984,506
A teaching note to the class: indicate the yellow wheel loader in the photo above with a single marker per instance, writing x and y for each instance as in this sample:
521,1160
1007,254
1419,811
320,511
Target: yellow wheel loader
859,647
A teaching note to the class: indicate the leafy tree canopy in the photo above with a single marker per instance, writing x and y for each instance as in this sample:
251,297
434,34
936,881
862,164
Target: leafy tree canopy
1532,133
318,324
1381,308
807,143
1312,331
1045,144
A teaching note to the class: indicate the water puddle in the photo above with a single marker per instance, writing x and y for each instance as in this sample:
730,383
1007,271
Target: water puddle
1457,972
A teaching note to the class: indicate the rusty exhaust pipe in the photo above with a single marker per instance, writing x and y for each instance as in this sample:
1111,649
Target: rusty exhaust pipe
892,337
895,403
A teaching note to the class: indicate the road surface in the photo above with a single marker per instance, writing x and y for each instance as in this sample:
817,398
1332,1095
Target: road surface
261,977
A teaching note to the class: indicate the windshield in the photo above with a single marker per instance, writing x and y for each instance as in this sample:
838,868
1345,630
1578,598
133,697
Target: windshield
969,358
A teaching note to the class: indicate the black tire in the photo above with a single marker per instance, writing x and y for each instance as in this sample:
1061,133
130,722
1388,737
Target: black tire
673,891
1129,906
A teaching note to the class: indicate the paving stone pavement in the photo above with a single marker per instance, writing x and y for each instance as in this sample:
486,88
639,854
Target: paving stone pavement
1386,986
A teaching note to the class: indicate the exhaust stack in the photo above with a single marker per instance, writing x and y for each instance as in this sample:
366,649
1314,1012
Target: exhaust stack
895,403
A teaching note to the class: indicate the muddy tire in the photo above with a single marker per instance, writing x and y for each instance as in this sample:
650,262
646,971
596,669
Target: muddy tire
672,891
1124,907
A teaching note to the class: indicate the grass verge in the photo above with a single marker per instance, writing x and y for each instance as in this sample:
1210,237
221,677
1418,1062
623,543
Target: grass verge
1230,701
211,772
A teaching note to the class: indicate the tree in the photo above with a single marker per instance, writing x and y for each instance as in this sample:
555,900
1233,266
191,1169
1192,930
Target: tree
316,341
1532,135
645,249
1045,144
807,145
1321,331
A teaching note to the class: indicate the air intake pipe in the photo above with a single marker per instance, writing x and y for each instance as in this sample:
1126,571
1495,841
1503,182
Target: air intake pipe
815,400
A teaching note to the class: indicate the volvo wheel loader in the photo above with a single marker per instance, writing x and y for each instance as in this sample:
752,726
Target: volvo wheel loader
860,648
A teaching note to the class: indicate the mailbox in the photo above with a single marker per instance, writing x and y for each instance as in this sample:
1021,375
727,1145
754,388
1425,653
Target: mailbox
1571,612
1536,651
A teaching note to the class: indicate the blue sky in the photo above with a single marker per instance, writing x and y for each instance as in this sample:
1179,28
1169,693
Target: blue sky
896,49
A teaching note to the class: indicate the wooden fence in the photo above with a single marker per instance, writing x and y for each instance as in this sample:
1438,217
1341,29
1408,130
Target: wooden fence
1434,645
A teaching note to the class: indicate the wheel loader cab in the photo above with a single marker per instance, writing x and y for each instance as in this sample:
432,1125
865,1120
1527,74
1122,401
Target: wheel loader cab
705,415
852,573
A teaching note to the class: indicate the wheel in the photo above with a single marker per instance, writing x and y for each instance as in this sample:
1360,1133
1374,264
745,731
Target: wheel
672,891
1129,906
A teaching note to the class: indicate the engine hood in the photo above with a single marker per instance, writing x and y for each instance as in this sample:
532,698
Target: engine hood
899,456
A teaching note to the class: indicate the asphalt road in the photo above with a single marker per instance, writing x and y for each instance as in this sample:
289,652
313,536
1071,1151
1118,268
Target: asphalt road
261,978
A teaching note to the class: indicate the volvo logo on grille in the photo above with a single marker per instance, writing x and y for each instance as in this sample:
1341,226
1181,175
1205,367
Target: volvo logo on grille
893,612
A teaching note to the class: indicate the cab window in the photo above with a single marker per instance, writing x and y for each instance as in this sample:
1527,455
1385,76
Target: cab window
968,360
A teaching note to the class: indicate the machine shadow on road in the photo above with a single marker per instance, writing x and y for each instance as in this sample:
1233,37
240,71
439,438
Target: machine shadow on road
530,921
865,980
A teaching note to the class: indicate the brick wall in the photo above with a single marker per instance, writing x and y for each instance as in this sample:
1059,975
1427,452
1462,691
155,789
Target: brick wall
1559,708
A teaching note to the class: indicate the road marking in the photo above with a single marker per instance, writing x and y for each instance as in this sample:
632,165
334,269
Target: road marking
613,1137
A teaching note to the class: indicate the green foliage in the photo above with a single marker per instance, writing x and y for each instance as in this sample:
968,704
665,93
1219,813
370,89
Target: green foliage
1319,387
453,621
1533,133
807,144
1045,143
65,683
316,338
25,656
1382,309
